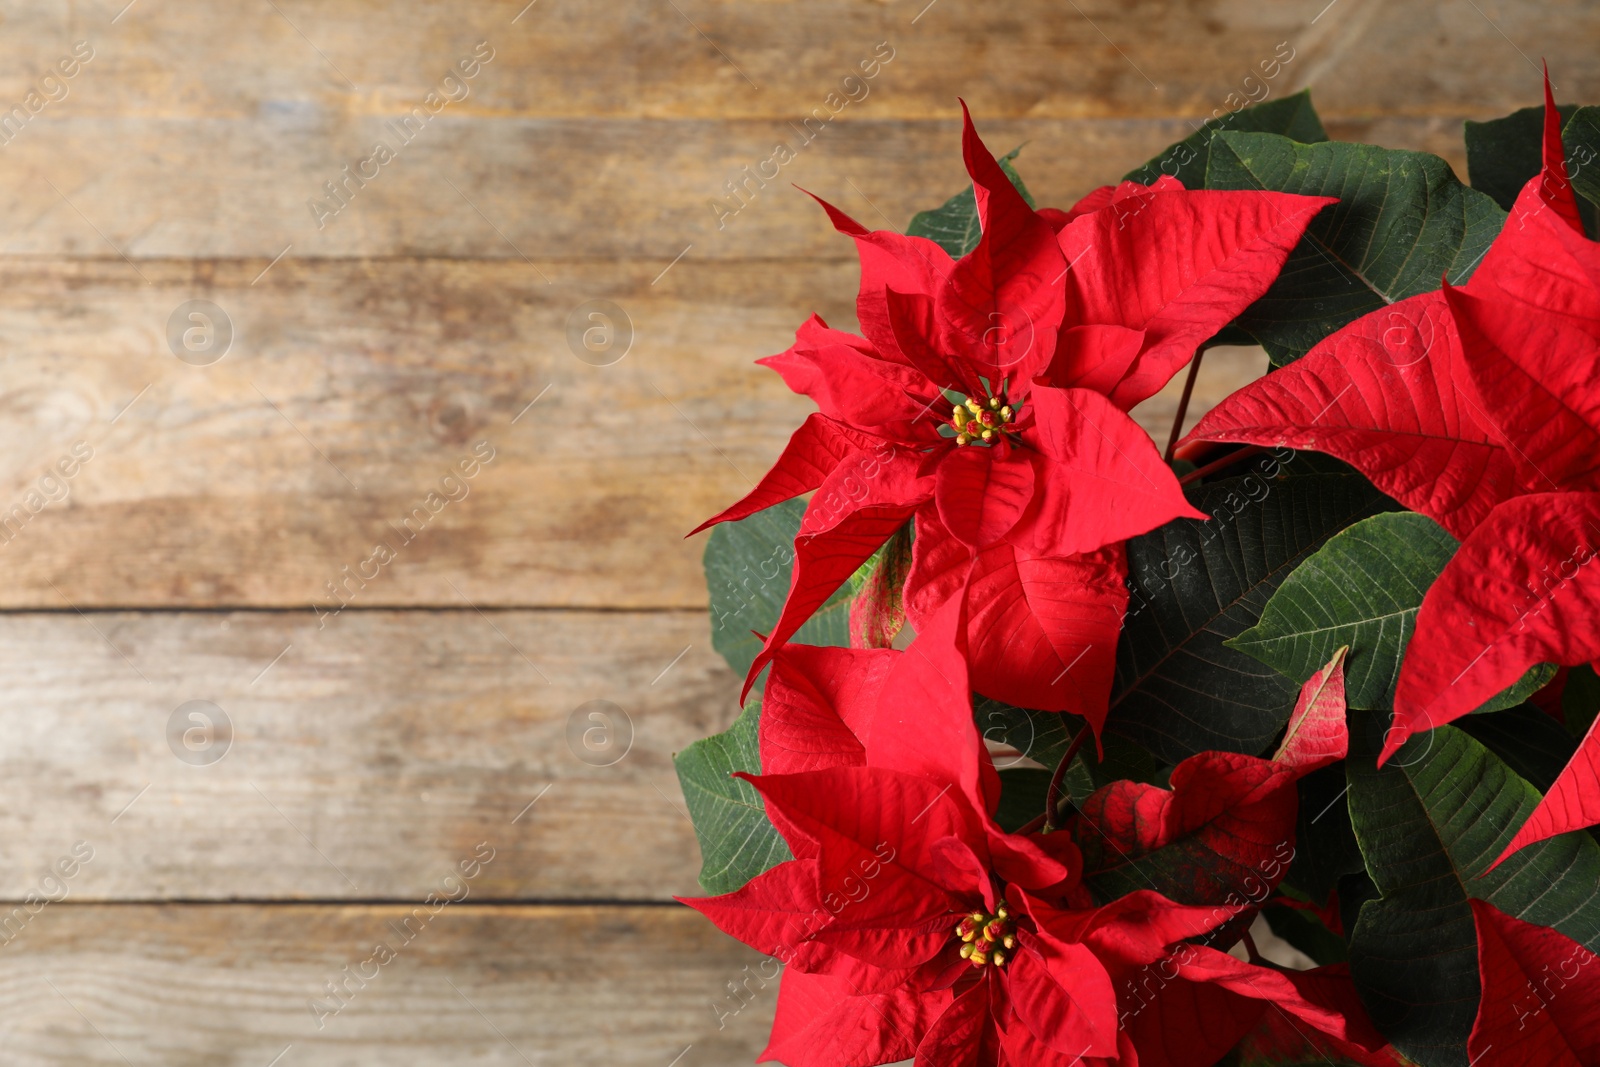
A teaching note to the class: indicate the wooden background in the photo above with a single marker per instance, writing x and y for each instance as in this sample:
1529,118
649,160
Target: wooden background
372,751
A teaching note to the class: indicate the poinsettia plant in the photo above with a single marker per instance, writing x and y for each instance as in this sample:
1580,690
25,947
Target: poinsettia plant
1046,729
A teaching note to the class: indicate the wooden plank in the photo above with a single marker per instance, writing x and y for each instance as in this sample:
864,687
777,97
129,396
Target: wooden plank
781,58
203,986
363,761
541,192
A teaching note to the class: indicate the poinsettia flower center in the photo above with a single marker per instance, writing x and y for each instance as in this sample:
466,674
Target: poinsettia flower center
987,939
980,420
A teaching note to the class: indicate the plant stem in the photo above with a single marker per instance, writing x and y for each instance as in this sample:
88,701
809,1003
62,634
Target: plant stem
1052,799
1183,405
1226,461
1250,947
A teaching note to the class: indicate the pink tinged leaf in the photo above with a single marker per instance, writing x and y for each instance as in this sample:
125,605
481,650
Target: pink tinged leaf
879,612
818,705
1535,376
1178,265
1390,395
1226,822
1100,480
851,383
813,452
1042,631
1555,186
861,504
1521,590
1571,803
1317,734
1061,992
822,1022
1541,995
889,260
982,492
1001,305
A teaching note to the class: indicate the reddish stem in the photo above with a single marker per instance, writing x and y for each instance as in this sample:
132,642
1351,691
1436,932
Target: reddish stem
1183,405
1226,461
1052,799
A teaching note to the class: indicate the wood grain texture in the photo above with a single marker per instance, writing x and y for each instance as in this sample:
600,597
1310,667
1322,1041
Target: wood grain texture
540,192
217,986
780,58
365,762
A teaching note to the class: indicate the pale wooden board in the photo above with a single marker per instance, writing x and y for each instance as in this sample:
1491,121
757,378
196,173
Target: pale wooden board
1036,58
551,190
366,763
229,986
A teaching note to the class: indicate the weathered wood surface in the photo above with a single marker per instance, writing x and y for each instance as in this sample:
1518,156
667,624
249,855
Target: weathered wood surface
540,191
736,59
364,761
221,986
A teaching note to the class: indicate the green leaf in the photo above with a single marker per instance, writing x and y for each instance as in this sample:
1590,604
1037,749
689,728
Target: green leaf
1430,822
953,226
1580,700
1293,117
1179,688
1530,742
747,573
1403,220
1325,848
1043,737
1581,138
1503,154
1022,793
737,842
1362,589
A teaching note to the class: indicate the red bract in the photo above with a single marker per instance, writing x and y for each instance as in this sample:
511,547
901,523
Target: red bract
987,397
912,925
1478,407
1541,995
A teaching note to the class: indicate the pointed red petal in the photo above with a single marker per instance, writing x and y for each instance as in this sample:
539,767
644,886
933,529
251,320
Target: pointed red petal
1521,590
772,913
889,260
1063,995
1101,479
860,505
1389,395
821,1022
964,1036
1095,357
1541,995
1001,305
850,382
1532,372
813,452
1324,999
1317,734
1572,801
913,319
1135,930
1178,265
818,707
1555,186
1043,631
982,492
